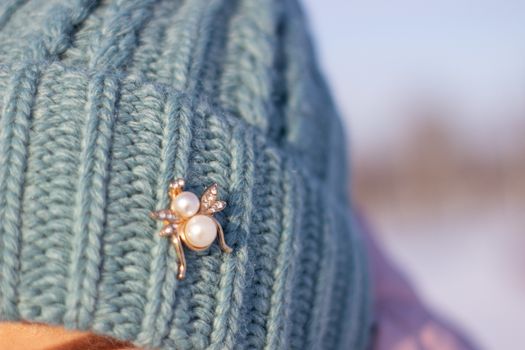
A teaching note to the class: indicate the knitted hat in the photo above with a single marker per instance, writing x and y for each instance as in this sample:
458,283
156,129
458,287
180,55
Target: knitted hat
102,104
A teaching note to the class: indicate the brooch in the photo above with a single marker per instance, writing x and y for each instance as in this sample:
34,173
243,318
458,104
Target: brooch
190,220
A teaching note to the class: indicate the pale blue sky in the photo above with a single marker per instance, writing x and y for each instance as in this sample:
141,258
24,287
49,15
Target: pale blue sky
382,55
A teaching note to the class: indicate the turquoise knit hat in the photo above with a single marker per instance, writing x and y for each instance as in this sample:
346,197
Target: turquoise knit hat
102,104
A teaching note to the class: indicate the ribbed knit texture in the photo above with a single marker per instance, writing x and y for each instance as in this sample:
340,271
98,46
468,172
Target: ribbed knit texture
102,103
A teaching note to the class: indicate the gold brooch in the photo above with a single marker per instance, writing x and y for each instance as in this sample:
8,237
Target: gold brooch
191,221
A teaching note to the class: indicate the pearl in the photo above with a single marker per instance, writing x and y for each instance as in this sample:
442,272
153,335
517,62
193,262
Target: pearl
200,231
186,204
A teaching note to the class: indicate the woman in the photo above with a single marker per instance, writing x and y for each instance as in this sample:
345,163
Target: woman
104,105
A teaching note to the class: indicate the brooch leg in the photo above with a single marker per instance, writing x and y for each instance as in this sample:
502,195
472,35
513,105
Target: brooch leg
175,239
222,241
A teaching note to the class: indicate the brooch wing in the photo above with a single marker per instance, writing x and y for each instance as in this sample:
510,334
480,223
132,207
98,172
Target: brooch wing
209,202
165,215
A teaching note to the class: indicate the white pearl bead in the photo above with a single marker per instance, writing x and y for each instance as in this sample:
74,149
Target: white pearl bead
186,204
201,231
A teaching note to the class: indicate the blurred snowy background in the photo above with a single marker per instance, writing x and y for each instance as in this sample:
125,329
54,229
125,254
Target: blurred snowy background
433,95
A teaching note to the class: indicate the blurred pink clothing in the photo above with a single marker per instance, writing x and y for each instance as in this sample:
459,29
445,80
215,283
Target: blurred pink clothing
402,322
